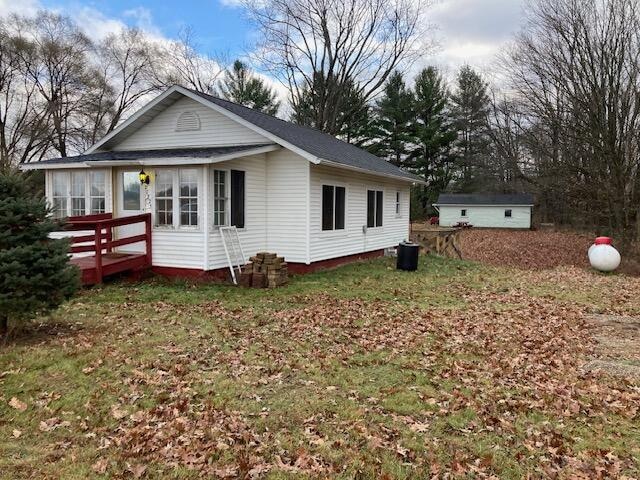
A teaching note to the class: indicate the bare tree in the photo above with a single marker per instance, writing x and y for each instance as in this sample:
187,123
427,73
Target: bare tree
182,63
23,125
319,46
576,70
54,56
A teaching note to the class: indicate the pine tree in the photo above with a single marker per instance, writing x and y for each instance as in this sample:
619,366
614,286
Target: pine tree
470,110
433,136
35,274
347,115
393,118
240,85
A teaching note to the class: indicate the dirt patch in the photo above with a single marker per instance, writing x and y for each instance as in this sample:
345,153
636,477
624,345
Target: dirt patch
617,349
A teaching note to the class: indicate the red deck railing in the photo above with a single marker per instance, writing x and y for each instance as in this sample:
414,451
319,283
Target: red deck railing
101,241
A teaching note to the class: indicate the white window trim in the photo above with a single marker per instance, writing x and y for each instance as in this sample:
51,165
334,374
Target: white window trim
465,214
176,227
227,196
398,205
366,203
505,213
87,190
216,228
342,231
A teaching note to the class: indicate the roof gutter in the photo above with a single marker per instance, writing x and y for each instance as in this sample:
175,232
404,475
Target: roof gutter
371,172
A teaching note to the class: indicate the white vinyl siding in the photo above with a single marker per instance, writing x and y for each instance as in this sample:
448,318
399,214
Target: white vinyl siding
353,239
215,129
287,208
254,234
486,216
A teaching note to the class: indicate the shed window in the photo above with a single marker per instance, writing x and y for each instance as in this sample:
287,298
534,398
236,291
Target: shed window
397,204
463,212
333,207
78,192
374,208
507,213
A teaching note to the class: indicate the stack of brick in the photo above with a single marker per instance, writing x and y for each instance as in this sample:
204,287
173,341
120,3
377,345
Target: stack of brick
264,270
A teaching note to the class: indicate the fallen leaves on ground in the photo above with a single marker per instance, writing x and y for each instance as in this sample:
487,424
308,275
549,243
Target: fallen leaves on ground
323,386
17,404
525,249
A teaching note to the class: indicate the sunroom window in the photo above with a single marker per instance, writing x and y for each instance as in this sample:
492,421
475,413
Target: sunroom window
80,192
176,197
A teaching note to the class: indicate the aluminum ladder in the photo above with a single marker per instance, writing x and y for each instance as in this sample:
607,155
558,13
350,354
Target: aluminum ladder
233,250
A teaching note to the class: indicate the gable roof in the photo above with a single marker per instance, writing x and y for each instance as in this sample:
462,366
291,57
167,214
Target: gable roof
484,199
315,146
327,148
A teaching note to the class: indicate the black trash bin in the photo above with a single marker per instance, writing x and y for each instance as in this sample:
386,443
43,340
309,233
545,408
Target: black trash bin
408,256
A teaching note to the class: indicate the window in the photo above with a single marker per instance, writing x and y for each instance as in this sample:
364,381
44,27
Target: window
176,197
130,191
164,198
463,212
237,198
189,197
374,208
79,192
219,198
97,188
60,191
78,181
333,207
398,204
507,213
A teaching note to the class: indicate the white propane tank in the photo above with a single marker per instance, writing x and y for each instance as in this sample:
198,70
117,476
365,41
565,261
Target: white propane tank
603,256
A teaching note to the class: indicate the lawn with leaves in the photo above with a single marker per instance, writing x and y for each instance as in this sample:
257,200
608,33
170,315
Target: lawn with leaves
456,370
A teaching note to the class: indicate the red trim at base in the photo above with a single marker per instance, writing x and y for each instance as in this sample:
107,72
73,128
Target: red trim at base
301,268
193,273
222,274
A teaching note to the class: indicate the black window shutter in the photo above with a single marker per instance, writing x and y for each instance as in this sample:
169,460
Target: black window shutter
378,209
371,208
237,198
327,207
340,204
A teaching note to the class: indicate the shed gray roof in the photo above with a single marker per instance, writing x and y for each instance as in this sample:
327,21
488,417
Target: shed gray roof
485,199
209,152
315,142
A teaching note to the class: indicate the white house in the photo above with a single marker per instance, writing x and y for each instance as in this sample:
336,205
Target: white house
289,189
485,210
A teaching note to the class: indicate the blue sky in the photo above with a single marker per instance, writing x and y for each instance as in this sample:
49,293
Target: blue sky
467,31
218,27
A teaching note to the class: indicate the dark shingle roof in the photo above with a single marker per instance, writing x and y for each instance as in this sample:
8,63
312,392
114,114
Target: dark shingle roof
485,199
209,152
313,141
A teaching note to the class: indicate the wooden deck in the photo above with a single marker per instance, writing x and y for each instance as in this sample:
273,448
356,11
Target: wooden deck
104,261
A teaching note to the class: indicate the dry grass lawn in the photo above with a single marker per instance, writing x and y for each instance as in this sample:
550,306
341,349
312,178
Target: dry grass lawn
457,370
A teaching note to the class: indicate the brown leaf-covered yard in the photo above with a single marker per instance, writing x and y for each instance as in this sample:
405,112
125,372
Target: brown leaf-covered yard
457,370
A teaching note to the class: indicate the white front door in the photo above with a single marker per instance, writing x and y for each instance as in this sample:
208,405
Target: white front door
130,201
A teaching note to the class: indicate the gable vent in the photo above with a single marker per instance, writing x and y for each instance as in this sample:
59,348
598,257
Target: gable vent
188,121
